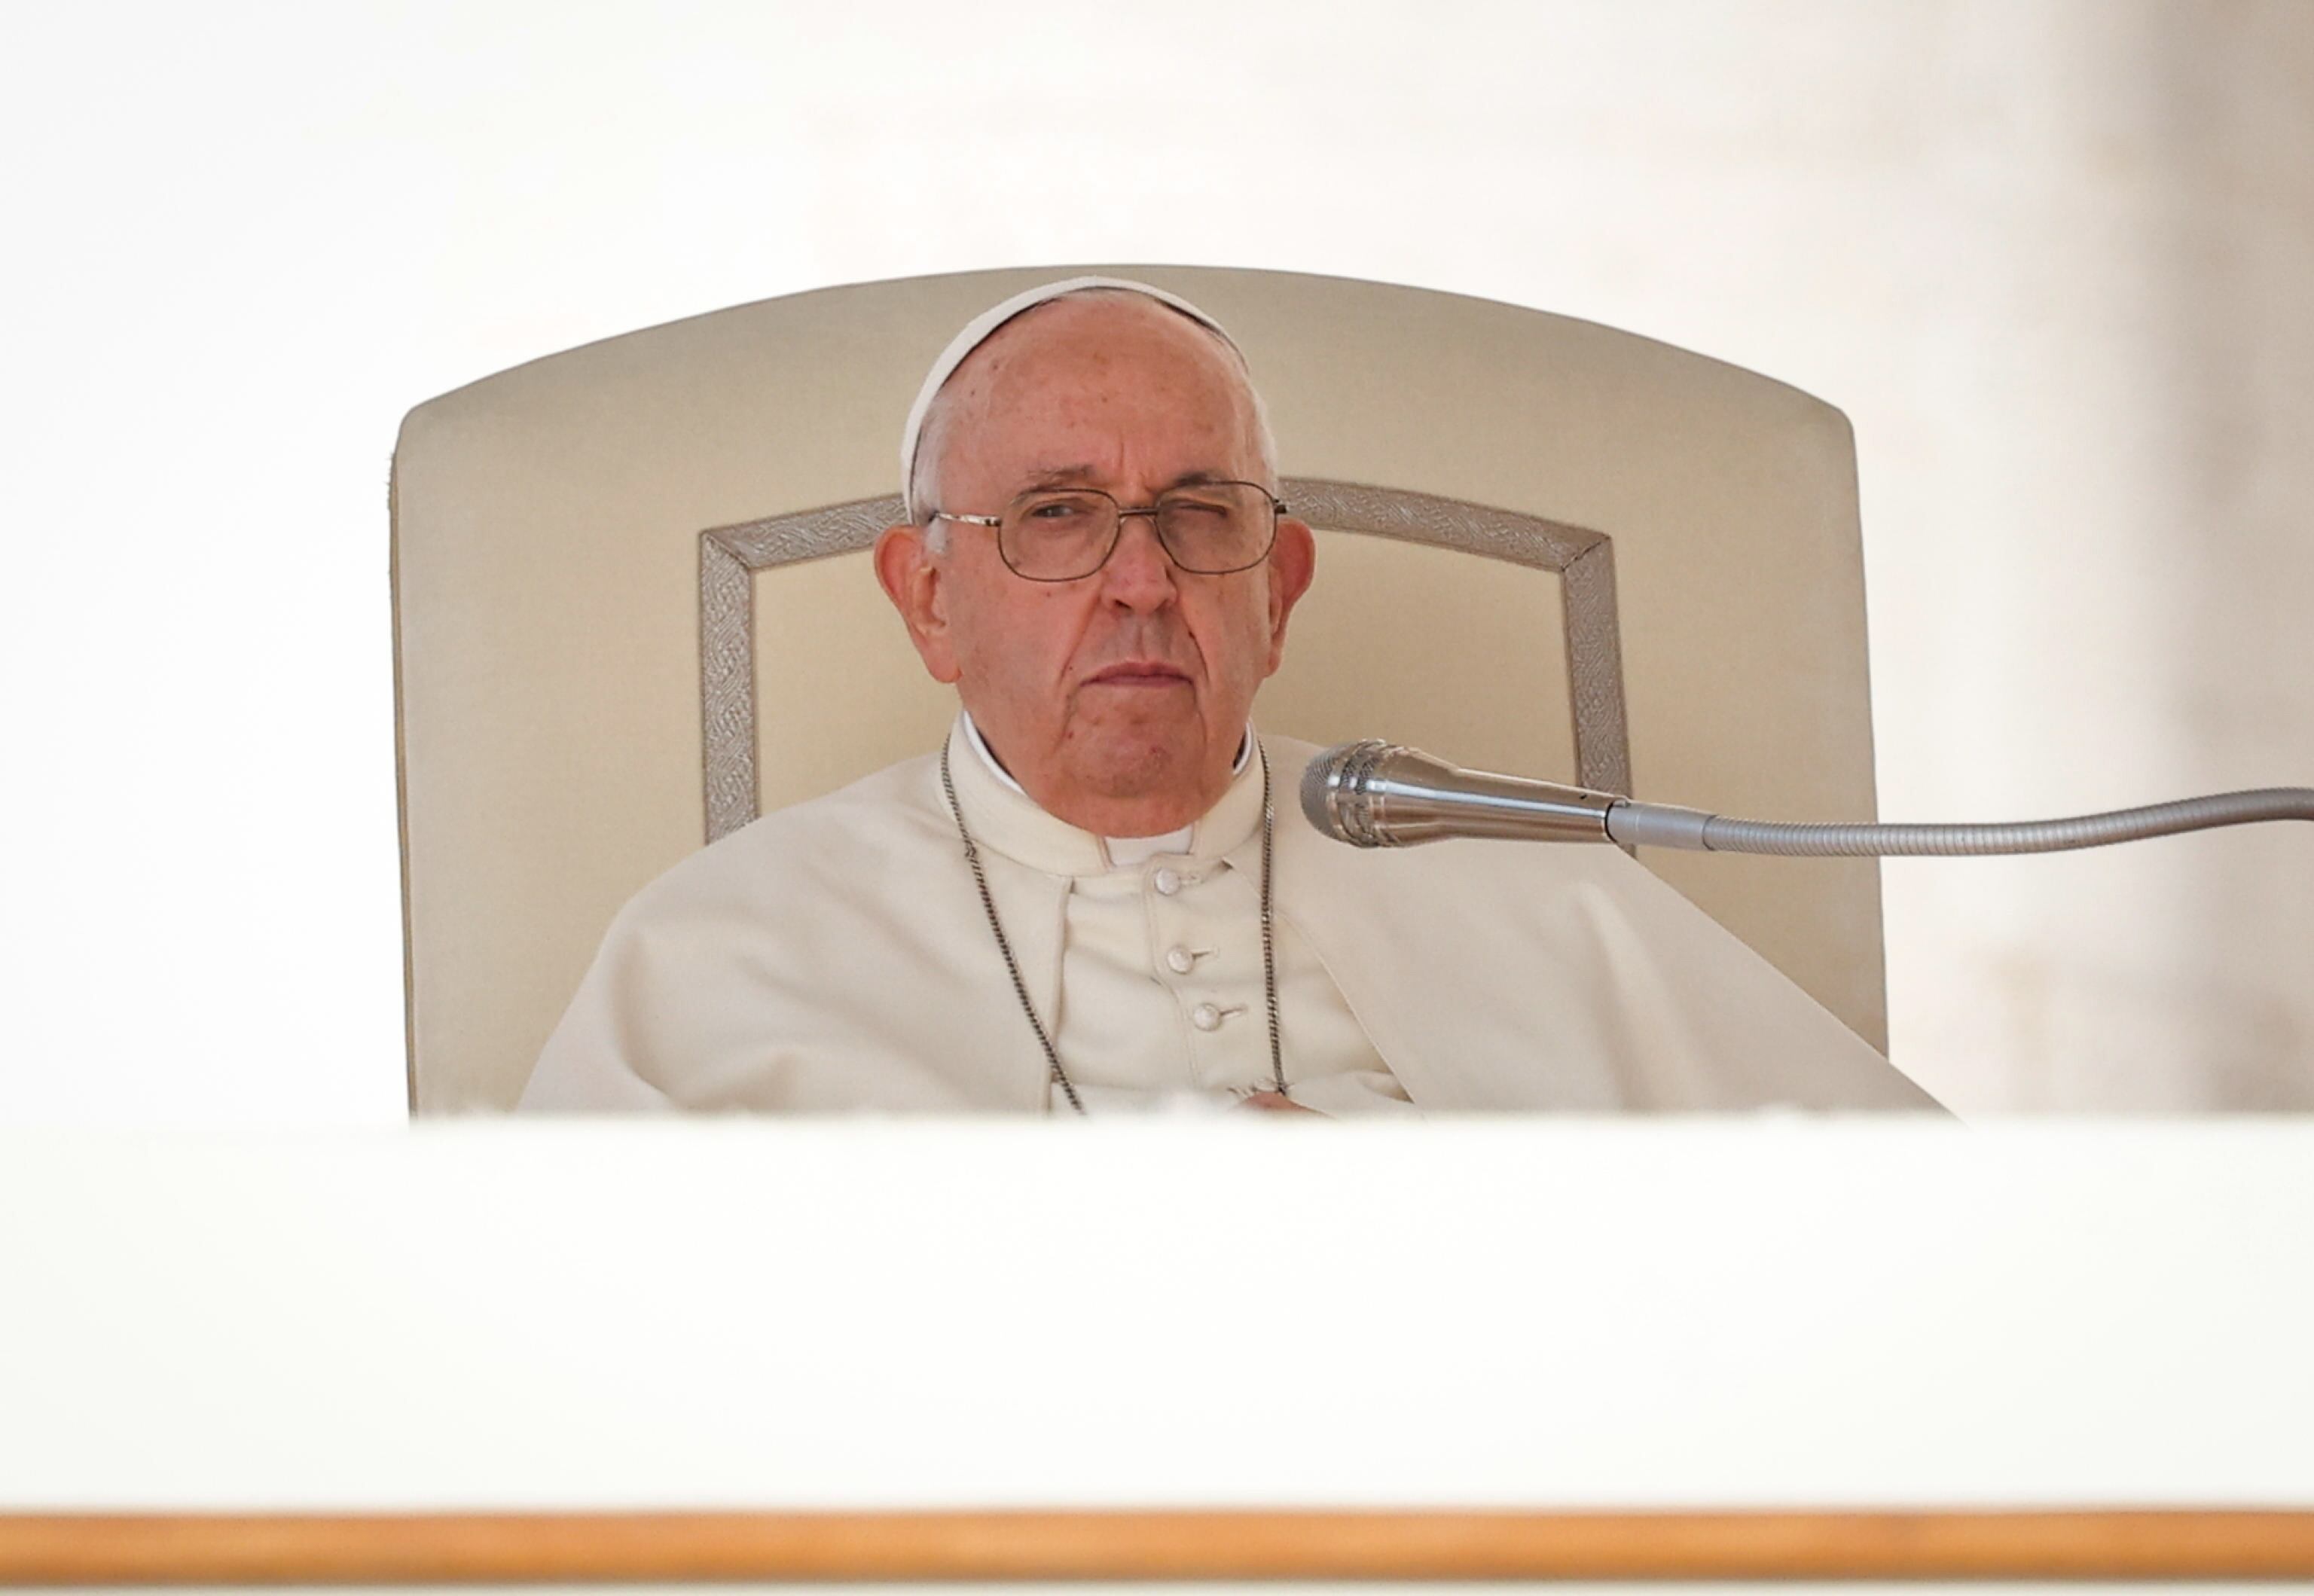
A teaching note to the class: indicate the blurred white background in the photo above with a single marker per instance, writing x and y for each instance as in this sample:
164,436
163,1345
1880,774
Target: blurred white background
2052,256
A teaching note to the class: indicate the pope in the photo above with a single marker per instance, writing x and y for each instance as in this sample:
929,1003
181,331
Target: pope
1098,895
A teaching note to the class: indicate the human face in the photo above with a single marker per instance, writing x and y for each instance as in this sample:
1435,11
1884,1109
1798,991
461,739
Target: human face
1118,699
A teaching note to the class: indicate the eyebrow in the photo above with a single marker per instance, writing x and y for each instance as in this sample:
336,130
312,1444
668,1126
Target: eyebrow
1062,476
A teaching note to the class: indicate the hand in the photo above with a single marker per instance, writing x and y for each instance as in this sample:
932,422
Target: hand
1274,1103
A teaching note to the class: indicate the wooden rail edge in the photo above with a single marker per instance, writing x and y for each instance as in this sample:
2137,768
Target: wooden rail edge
423,1548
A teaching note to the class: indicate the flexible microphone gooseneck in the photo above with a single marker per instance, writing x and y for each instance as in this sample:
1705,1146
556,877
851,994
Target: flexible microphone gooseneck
1378,795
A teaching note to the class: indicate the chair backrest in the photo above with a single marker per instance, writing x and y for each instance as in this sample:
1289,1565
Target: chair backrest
633,607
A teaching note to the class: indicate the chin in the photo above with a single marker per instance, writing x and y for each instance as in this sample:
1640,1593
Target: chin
1131,771
1140,761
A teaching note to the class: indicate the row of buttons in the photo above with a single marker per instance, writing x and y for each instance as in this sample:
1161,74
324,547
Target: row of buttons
1181,960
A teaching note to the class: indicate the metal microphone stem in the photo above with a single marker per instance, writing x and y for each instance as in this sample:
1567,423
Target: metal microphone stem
1377,795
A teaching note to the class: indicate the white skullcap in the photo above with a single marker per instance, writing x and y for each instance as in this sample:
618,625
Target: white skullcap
978,331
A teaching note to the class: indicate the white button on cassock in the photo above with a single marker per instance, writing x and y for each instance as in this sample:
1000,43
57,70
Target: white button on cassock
1181,960
1167,880
1206,1018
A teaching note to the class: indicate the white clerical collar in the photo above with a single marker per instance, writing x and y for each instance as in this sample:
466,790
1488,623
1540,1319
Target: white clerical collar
1003,815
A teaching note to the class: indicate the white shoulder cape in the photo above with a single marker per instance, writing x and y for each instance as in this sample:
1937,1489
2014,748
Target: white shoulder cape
835,956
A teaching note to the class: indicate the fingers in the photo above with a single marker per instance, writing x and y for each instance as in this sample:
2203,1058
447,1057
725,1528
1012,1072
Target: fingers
1275,1103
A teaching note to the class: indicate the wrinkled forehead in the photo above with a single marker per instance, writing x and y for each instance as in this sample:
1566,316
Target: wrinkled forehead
1088,339
1061,392
983,344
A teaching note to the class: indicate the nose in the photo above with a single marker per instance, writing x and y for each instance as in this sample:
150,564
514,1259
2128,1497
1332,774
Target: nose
1139,574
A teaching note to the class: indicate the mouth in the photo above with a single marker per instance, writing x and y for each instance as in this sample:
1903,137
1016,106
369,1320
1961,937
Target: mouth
1139,673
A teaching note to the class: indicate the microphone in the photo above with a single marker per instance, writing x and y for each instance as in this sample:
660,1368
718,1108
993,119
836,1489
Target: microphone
1379,795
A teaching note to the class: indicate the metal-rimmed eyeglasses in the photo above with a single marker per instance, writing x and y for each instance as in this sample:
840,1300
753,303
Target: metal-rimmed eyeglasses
1063,535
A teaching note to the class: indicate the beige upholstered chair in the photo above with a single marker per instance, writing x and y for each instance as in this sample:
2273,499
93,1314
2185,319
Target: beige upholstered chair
607,651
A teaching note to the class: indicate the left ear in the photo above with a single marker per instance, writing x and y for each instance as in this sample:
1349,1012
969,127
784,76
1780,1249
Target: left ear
1293,562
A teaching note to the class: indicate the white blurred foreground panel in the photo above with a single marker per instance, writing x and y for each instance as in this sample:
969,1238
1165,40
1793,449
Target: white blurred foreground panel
763,1314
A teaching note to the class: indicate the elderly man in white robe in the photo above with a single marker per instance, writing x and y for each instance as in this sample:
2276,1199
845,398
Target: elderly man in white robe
1097,895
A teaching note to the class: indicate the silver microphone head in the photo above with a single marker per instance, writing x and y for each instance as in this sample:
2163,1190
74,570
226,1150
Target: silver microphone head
1379,795
1333,792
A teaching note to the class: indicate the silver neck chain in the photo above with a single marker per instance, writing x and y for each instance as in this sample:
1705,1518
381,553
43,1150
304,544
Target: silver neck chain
1060,1077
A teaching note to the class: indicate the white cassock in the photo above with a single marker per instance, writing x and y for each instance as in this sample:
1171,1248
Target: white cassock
837,955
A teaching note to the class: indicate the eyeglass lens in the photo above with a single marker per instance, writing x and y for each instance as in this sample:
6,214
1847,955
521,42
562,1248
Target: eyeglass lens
1057,534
